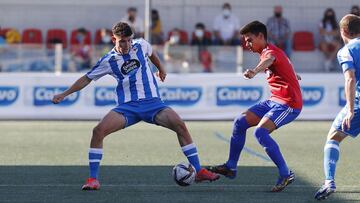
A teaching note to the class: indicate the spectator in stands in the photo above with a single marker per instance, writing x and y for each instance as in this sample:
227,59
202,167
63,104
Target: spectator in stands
2,38
329,38
226,27
156,28
80,53
105,35
200,35
135,22
279,32
177,37
202,38
355,10
12,36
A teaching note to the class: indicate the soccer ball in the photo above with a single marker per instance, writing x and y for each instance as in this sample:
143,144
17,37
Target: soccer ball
184,174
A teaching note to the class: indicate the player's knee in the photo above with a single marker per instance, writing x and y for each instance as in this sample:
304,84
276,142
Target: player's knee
260,135
240,125
98,132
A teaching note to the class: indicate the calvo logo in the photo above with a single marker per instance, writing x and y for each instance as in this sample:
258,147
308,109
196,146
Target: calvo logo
43,96
8,95
312,95
105,96
235,95
181,96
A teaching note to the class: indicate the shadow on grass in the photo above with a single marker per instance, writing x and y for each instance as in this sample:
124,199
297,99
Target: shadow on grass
143,184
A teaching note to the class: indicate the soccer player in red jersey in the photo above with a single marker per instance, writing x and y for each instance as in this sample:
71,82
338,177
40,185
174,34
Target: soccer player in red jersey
283,106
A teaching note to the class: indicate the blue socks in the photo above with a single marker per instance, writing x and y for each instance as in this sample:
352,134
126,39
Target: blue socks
331,156
191,154
272,149
95,155
237,141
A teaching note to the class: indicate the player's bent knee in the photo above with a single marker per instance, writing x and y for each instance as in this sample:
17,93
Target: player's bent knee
259,134
99,132
240,125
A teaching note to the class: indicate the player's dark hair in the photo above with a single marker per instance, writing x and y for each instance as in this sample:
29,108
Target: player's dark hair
122,29
255,28
351,23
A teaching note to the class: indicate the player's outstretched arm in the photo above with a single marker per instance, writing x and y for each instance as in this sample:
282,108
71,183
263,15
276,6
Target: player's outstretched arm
78,85
350,81
156,61
263,64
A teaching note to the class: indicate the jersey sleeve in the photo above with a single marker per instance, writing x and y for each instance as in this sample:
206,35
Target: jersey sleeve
345,59
146,46
101,68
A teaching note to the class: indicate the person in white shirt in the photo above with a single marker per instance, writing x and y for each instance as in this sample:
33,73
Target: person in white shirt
135,22
226,27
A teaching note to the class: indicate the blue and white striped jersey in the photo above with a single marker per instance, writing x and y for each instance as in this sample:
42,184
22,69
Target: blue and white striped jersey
132,72
349,58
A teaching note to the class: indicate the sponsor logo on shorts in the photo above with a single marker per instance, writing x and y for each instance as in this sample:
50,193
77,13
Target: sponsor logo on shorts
43,96
312,95
8,95
234,95
180,96
105,96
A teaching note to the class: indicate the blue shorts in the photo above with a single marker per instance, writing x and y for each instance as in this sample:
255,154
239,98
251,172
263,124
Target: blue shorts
354,125
141,110
280,114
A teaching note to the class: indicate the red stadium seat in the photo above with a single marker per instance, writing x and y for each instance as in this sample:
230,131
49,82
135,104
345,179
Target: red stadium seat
74,41
303,41
56,35
184,39
32,36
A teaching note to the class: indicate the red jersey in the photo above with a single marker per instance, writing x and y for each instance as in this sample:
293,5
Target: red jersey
284,86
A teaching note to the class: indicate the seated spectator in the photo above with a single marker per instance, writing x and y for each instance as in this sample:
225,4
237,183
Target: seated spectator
329,38
226,27
177,37
279,32
105,37
201,36
135,22
80,53
156,28
12,37
355,10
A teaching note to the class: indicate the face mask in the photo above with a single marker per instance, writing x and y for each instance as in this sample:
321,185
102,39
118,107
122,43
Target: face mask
174,39
199,33
80,38
278,15
226,13
106,39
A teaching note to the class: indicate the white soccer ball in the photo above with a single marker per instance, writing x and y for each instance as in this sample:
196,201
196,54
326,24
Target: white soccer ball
184,174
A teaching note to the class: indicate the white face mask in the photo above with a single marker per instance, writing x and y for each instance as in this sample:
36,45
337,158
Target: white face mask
199,33
226,12
174,39
106,39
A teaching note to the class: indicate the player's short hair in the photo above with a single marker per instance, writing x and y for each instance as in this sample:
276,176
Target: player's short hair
255,28
122,29
350,23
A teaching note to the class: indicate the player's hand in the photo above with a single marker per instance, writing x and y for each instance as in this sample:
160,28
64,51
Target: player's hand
347,121
58,98
249,73
298,77
161,75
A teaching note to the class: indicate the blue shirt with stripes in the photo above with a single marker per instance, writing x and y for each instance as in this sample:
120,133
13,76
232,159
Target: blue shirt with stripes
132,72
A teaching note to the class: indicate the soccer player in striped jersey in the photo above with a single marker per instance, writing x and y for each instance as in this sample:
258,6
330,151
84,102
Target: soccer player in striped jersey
282,107
347,122
137,97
